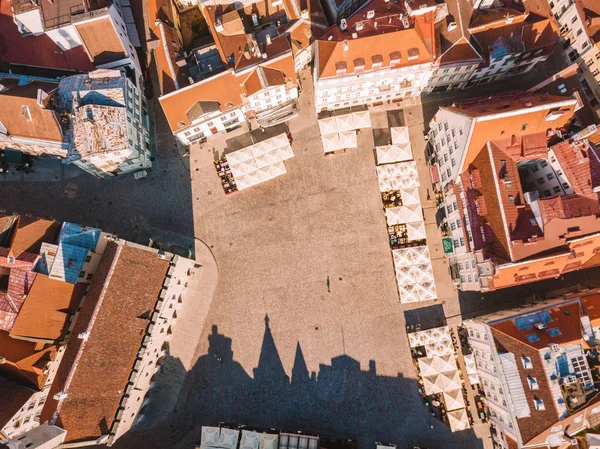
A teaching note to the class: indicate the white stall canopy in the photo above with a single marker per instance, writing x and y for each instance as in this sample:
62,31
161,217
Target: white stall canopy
402,175
388,154
400,135
260,161
339,141
346,122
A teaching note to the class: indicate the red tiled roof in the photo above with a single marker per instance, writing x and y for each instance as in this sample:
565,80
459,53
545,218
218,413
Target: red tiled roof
566,318
568,206
14,396
581,165
37,51
105,360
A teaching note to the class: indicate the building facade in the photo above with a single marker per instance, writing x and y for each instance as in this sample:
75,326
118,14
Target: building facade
504,163
109,123
535,371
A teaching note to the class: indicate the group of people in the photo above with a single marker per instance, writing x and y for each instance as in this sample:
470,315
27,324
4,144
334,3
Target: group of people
224,172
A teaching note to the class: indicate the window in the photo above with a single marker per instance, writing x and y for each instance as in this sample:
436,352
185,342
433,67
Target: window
25,112
524,126
458,225
533,383
452,226
511,198
538,404
566,185
541,181
550,176
526,361
546,192
449,207
456,245
534,168
554,332
532,338
556,189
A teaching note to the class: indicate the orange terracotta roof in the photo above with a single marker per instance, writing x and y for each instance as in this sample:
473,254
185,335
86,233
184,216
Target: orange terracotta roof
47,308
102,41
591,306
223,88
581,166
25,361
43,124
566,318
31,233
171,76
114,338
461,50
331,54
14,396
486,19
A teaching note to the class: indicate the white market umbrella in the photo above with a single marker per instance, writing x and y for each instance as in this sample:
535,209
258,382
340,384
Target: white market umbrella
229,438
360,120
416,230
426,368
250,440
410,196
284,153
444,364
394,216
269,441
432,384
348,139
330,143
411,214
343,123
400,135
242,155
454,400
457,419
211,436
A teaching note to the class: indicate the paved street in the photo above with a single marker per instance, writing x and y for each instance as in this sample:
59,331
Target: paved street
277,349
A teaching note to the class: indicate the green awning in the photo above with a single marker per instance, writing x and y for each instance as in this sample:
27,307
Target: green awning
447,244
13,156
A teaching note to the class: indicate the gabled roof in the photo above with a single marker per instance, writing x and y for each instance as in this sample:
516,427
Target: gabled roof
102,41
47,308
21,114
566,318
461,50
25,361
262,78
37,51
128,280
223,88
330,54
31,233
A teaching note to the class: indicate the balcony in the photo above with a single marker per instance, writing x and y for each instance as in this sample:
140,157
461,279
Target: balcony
76,14
21,6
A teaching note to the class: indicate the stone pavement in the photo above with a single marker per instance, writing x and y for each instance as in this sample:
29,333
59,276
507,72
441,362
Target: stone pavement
196,300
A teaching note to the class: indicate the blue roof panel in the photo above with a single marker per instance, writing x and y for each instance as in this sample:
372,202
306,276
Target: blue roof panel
77,235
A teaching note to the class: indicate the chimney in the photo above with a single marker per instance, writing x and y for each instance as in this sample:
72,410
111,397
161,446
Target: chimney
268,39
343,25
345,45
254,19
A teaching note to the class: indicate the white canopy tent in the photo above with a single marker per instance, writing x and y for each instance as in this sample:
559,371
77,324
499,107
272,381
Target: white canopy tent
471,369
416,230
250,440
269,441
410,196
430,336
454,399
400,135
402,175
260,161
458,420
414,274
211,436
339,141
346,122
388,154
229,438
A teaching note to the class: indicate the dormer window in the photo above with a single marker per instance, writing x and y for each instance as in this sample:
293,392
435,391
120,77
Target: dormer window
413,53
25,112
181,124
377,61
526,361
395,57
359,64
340,67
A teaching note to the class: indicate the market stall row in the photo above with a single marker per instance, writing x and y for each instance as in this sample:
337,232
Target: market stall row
254,164
399,187
338,133
440,380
